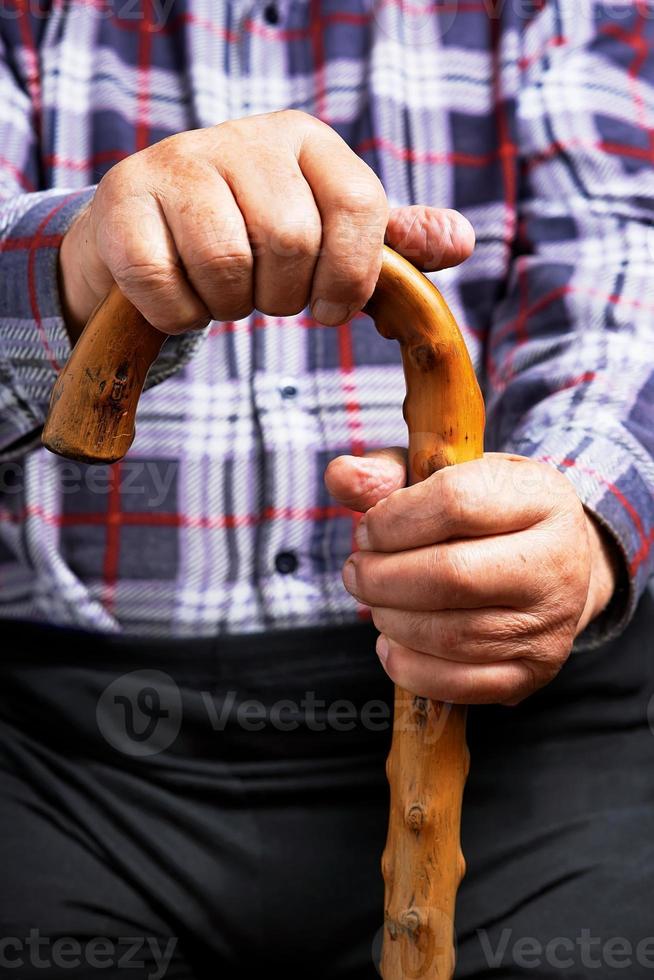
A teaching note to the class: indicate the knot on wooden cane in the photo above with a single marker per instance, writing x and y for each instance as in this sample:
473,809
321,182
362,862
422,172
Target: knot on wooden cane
415,817
408,923
421,708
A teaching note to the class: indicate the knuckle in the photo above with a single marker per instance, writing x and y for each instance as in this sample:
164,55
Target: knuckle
449,496
373,577
295,238
229,135
418,631
143,273
173,144
380,517
233,267
446,639
113,181
395,667
351,280
380,618
533,678
510,629
363,197
448,569
295,117
434,567
158,282
562,493
172,318
367,576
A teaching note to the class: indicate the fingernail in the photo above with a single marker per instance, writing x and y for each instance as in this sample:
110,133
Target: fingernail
382,649
331,314
350,577
361,536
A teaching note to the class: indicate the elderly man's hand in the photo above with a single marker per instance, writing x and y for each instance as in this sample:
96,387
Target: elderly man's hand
480,578
270,212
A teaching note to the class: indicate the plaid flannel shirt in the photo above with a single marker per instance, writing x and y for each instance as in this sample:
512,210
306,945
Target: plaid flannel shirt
535,118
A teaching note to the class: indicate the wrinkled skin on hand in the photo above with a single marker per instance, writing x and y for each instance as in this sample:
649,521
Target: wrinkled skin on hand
480,578
271,212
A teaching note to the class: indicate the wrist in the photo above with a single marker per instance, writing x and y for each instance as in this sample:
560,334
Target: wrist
605,561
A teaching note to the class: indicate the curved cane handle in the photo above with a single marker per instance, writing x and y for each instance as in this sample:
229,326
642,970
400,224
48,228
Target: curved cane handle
94,399
91,418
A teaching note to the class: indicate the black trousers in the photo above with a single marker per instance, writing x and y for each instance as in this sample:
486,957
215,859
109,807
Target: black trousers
217,809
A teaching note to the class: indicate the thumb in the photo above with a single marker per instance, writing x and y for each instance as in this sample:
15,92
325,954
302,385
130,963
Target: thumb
430,238
358,482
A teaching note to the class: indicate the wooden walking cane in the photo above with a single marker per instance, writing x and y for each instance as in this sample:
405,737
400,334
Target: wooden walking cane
91,418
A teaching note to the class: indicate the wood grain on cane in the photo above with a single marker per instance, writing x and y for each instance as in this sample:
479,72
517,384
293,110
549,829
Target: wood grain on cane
91,418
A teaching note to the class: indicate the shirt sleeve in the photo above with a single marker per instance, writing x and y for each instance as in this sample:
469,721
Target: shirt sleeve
34,343
570,359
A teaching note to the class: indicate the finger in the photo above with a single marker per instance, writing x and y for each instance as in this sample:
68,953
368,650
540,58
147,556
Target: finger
489,635
359,482
495,571
444,680
431,238
212,240
354,214
284,226
493,495
135,243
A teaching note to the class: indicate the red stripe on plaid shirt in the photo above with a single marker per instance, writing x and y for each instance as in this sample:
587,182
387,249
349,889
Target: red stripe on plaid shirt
508,151
505,331
16,172
426,156
85,163
143,98
646,538
33,80
210,522
25,244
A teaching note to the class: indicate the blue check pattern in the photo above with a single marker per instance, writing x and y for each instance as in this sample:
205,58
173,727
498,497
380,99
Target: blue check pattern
535,118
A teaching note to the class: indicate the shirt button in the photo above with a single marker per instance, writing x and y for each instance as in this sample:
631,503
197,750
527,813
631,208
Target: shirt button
286,562
271,14
288,389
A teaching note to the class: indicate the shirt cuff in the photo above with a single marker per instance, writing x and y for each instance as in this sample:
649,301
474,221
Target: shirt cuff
34,342
614,479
